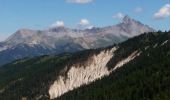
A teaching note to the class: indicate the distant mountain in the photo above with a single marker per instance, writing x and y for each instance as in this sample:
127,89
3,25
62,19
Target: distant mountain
30,43
137,69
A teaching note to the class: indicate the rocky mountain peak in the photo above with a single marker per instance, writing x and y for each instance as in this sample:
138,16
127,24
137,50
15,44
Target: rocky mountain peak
21,34
128,20
24,32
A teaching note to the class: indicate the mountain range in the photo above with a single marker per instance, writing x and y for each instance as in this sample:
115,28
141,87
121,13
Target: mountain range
136,69
27,43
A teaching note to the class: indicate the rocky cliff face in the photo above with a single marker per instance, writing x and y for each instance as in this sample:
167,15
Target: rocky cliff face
91,70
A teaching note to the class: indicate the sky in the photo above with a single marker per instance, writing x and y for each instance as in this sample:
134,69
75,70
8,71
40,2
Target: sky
42,14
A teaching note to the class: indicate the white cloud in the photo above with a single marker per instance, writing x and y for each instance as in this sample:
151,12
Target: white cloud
119,16
164,12
138,10
79,1
84,22
58,24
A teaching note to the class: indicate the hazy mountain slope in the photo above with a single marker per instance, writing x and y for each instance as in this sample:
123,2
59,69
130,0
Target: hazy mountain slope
130,69
56,40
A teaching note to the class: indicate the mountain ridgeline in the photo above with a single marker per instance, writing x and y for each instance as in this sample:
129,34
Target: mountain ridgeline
26,43
137,69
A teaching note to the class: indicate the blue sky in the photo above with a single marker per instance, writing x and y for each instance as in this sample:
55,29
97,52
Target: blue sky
41,14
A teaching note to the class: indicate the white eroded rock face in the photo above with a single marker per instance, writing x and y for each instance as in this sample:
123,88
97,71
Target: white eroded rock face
164,42
128,59
80,75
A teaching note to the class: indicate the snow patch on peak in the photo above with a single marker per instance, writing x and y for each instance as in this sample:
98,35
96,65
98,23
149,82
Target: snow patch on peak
80,75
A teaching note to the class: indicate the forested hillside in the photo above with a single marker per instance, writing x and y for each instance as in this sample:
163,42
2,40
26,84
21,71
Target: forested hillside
145,77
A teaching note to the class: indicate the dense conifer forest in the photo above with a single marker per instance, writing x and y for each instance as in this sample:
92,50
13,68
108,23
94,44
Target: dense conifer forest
147,77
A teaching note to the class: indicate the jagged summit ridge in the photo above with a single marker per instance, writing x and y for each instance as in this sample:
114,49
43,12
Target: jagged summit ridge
126,19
